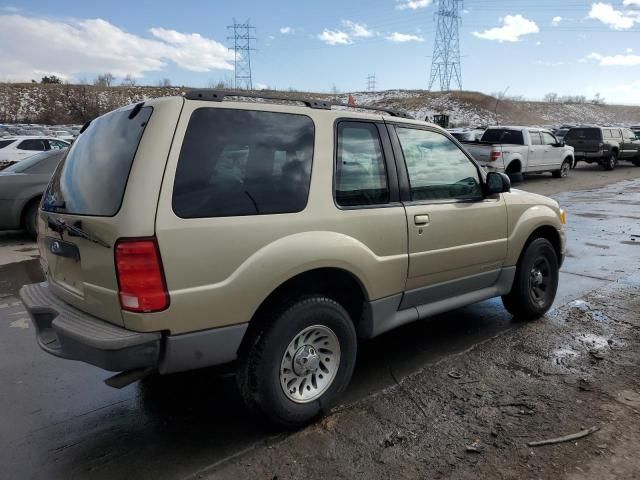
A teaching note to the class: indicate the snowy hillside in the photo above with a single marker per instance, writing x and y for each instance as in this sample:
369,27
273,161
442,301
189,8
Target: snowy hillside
37,103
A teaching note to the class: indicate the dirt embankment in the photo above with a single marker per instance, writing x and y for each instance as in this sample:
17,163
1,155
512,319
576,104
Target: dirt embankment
51,104
472,415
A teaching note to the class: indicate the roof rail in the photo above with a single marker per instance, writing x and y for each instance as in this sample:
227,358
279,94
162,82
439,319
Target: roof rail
212,95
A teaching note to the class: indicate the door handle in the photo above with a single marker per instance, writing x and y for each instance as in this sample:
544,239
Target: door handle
421,219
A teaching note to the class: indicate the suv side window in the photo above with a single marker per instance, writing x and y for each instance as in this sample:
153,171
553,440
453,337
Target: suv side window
437,168
535,138
361,175
628,134
32,144
243,162
616,133
548,139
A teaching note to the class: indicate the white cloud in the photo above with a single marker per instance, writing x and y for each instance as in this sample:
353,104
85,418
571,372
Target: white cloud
629,50
413,4
514,26
616,19
78,47
287,30
260,86
631,3
358,29
403,37
619,60
538,43
555,21
335,37
347,33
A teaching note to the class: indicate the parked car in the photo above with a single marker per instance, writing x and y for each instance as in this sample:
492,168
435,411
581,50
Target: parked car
560,133
518,150
15,149
604,145
214,240
21,187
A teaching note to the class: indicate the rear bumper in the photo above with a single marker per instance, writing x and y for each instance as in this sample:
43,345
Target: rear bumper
589,155
66,332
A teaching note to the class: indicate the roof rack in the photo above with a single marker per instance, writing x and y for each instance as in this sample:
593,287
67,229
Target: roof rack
212,95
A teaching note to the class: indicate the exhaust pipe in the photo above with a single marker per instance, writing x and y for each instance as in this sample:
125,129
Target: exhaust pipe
122,379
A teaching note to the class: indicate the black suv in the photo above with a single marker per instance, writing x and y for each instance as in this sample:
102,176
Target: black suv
604,145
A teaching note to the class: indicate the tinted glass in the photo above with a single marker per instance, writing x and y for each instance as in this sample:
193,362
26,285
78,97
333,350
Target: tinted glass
438,169
57,144
548,139
361,176
93,176
503,135
4,143
30,144
535,138
583,134
240,162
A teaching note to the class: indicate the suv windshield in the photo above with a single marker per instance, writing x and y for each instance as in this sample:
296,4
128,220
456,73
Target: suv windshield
503,135
93,177
584,134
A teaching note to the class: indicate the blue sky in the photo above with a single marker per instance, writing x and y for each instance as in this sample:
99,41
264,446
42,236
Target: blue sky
532,47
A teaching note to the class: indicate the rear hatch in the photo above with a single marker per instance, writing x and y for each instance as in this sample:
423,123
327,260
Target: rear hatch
104,190
584,139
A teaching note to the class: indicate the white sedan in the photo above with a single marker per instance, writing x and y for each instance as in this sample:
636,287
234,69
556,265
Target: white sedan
15,149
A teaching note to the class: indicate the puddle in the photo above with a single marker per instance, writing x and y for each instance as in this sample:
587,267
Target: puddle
630,242
15,275
605,247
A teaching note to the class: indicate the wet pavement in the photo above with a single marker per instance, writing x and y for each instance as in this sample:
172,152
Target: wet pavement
59,420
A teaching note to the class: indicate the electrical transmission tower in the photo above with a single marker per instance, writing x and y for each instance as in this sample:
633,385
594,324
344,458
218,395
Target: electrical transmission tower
445,66
371,83
242,48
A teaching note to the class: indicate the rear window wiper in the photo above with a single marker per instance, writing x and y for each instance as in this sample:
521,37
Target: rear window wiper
58,225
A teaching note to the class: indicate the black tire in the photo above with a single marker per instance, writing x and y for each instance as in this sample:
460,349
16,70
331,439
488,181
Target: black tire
564,169
610,162
30,219
526,301
259,364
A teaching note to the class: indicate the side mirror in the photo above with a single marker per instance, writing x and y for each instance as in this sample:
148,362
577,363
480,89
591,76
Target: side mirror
498,183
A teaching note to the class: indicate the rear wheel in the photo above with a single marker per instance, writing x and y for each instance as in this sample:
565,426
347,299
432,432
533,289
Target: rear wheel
564,169
30,219
297,366
514,173
536,281
611,162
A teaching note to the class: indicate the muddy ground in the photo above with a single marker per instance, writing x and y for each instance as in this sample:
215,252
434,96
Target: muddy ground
472,415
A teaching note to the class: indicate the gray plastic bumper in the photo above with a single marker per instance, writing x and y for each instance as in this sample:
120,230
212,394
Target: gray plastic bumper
64,331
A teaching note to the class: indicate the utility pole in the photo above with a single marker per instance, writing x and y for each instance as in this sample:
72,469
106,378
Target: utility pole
445,65
371,83
242,48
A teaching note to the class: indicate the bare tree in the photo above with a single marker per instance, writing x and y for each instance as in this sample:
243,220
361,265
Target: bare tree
224,83
104,80
50,79
164,82
598,99
128,81
551,97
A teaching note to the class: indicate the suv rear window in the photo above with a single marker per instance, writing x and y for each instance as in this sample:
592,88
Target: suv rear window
92,178
503,135
243,162
584,134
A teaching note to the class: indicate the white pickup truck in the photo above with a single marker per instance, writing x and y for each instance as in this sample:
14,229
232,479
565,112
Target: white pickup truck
518,150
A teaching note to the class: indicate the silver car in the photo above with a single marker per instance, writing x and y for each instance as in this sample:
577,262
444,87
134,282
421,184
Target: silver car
22,186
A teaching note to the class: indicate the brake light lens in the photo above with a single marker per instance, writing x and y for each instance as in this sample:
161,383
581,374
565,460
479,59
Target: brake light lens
495,155
140,276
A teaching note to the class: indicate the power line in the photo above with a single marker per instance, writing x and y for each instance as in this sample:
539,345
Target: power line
242,48
445,65
371,83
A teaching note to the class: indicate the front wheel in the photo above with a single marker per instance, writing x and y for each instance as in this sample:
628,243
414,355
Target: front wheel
300,362
611,162
536,281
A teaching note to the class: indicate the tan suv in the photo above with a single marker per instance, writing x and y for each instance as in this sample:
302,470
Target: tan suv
200,230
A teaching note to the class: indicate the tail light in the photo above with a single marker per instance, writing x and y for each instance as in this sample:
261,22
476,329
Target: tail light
142,286
495,155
